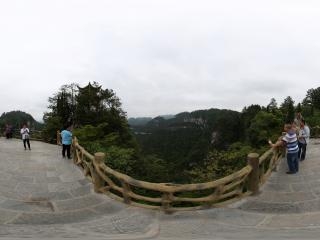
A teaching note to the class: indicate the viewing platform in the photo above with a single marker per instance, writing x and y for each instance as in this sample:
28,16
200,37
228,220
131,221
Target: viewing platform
45,196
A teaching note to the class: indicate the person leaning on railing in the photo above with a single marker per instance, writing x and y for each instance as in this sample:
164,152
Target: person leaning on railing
290,141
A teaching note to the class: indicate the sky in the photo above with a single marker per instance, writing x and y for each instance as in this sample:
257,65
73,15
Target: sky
159,56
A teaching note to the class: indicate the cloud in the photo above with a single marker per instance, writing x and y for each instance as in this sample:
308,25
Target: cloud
159,56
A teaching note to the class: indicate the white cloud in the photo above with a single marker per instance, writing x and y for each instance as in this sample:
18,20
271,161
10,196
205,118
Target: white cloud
159,56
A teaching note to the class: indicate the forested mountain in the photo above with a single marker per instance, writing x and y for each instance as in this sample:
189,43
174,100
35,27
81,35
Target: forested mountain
142,121
185,140
17,118
208,144
139,121
213,126
196,146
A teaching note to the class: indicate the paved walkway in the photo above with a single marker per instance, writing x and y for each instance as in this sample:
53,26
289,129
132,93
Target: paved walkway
43,196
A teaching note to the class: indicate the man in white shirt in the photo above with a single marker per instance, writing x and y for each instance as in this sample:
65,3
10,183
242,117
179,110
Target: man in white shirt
25,136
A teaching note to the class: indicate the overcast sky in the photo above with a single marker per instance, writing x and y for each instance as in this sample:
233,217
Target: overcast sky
159,56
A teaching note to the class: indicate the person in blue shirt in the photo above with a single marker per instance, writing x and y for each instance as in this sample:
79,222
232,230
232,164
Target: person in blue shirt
66,139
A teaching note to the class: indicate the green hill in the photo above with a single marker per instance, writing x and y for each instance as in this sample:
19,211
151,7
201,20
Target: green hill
17,118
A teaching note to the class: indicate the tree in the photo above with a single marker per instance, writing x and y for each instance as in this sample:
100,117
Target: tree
272,106
312,99
248,113
287,108
227,130
299,108
263,127
62,111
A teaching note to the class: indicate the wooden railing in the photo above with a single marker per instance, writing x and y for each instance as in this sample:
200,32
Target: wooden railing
173,197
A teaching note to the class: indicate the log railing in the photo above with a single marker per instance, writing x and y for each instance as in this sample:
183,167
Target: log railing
173,197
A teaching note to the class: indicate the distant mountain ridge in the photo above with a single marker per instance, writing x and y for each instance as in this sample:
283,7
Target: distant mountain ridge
142,121
17,118
200,118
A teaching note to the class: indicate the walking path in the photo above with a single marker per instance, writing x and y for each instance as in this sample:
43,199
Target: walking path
43,196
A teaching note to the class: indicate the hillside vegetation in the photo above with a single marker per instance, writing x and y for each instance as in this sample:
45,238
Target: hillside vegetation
189,147
16,119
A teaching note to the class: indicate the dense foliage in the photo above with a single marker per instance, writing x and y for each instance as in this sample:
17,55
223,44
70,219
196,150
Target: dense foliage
189,147
209,144
99,123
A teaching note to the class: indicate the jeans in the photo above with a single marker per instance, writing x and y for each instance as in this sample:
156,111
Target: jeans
293,162
64,149
302,151
26,141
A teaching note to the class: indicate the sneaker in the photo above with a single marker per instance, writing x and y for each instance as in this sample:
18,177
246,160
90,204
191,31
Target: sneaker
290,172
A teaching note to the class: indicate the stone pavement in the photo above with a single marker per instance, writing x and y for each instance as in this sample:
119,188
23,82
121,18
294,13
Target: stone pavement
43,196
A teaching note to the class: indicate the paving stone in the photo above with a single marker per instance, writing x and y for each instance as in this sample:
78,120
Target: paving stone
109,207
267,207
234,217
52,196
7,216
79,203
29,205
277,187
300,187
81,191
295,220
43,196
54,218
14,195
42,179
131,223
31,187
58,187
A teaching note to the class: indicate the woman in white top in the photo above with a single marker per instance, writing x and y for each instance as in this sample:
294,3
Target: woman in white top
303,138
25,136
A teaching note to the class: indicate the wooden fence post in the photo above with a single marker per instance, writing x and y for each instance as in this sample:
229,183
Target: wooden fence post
74,151
98,181
166,202
58,138
253,178
126,190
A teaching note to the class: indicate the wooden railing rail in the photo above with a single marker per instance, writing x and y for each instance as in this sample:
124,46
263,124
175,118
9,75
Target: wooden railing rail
268,162
172,197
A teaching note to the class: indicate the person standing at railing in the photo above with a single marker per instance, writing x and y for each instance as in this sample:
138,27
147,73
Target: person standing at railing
25,133
290,141
8,131
66,137
303,138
